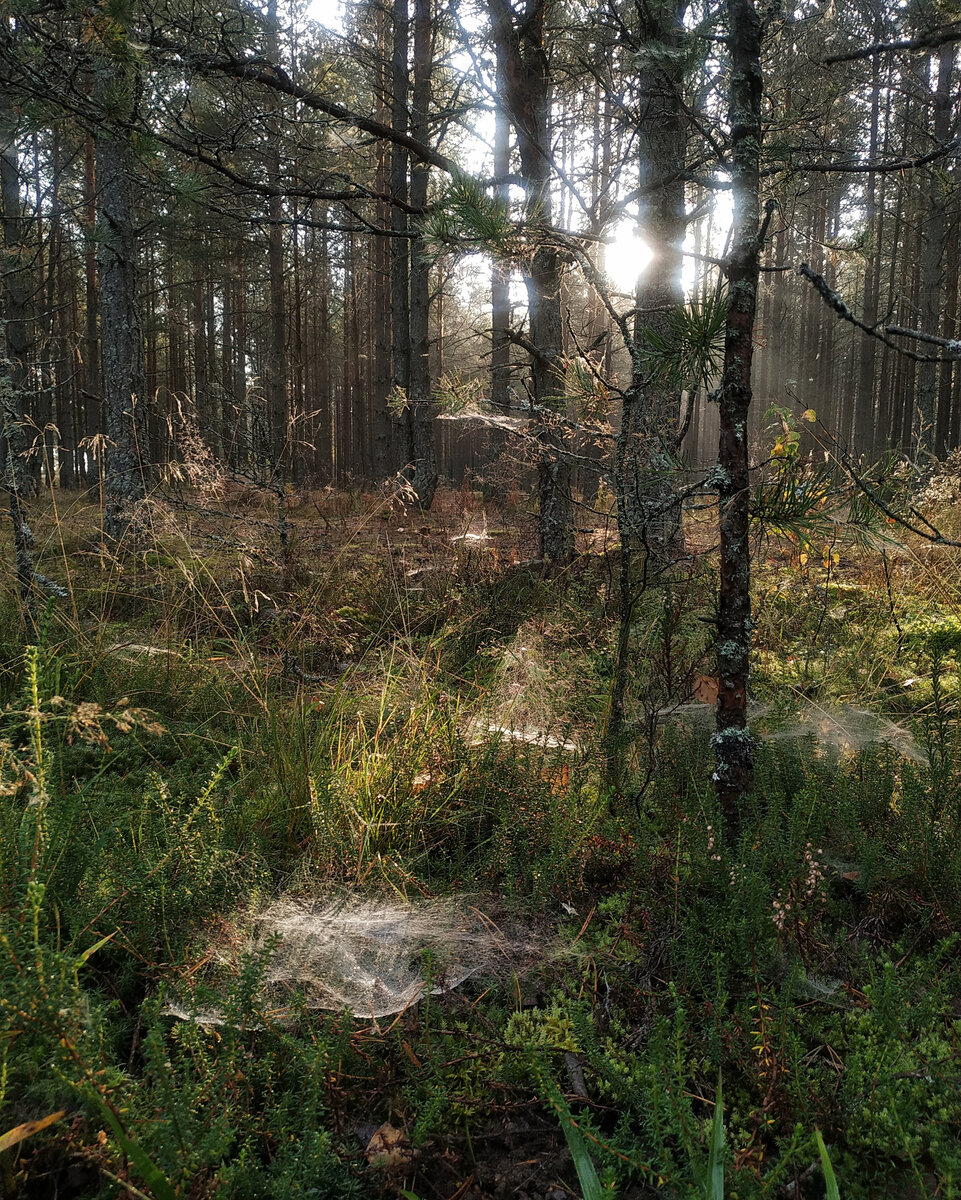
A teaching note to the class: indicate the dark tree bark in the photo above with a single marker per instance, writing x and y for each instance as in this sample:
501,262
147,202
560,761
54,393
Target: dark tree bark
275,372
948,416
16,283
324,381
121,336
647,443
14,441
524,65
500,272
864,424
733,745
92,381
383,450
399,220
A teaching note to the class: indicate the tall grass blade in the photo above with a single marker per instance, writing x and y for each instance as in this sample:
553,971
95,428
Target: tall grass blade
831,1189
587,1176
13,1137
152,1175
715,1159
91,950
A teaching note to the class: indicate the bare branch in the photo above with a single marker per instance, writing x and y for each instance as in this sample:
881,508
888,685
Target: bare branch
834,300
927,41
952,345
886,167
269,75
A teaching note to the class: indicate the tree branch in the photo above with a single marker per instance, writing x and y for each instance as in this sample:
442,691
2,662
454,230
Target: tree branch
927,41
952,345
834,300
269,75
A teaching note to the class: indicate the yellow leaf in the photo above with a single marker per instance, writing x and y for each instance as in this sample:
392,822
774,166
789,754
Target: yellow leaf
809,415
95,947
16,1135
804,560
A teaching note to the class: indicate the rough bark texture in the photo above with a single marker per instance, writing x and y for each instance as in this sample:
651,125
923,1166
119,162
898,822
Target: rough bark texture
121,336
381,421
400,246
647,445
17,482
525,70
15,282
864,428
500,273
275,373
733,745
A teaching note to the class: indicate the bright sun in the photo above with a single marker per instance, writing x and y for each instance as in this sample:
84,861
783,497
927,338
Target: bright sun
626,257
328,13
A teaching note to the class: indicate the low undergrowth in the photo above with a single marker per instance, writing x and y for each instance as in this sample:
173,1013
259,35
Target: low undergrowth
166,771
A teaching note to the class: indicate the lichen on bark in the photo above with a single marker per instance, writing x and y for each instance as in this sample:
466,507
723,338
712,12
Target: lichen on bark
732,742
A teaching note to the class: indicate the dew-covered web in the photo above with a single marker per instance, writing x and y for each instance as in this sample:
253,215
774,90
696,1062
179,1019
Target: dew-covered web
843,728
480,413
371,956
528,697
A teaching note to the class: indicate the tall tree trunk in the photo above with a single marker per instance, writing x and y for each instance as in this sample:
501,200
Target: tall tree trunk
420,469
645,450
14,441
62,443
733,745
399,220
947,415
500,271
325,374
934,236
275,383
384,465
524,64
16,284
92,381
864,428
647,445
121,336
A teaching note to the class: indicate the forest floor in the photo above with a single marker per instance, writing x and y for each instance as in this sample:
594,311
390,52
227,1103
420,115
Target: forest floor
319,876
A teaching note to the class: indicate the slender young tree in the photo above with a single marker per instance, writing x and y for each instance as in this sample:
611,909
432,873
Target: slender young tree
733,744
